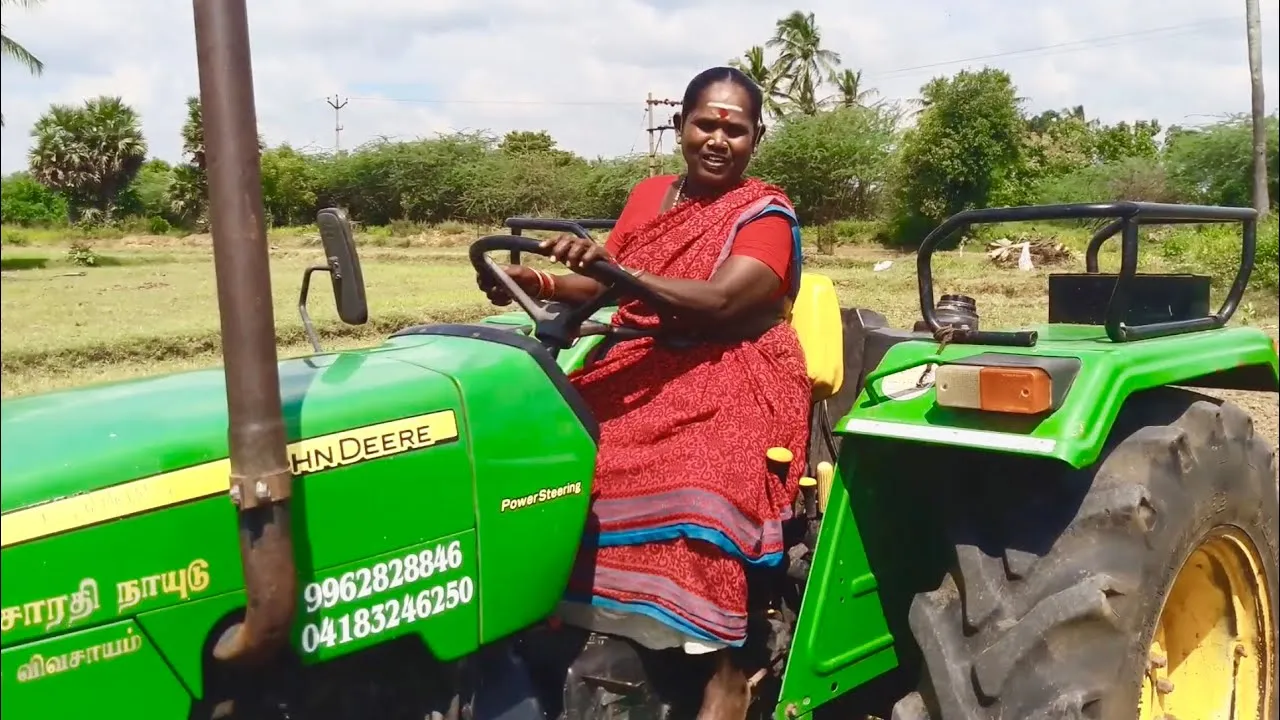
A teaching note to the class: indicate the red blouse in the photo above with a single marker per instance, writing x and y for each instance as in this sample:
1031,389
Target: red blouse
767,239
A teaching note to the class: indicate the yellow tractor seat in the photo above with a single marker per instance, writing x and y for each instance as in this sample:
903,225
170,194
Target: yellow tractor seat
815,316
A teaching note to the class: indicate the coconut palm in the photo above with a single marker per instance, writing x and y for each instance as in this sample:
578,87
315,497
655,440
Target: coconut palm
754,66
802,61
849,90
11,49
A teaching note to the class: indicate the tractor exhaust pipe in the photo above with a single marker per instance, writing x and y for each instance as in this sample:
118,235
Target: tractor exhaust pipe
261,483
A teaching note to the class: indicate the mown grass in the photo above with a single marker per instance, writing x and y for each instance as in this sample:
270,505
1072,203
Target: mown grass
148,305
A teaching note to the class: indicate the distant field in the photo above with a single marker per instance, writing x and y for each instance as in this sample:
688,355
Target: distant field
149,306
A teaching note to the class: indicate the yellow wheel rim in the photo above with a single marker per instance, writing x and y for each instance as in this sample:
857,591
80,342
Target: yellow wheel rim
1213,652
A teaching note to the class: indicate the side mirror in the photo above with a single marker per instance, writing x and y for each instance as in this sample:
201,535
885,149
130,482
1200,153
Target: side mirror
343,265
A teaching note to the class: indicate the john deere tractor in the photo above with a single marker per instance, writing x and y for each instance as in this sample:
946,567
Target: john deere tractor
1048,522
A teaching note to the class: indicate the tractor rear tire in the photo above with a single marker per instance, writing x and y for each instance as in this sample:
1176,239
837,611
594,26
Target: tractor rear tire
1142,587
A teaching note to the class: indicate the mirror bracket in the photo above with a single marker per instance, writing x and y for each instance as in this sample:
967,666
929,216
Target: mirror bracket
307,325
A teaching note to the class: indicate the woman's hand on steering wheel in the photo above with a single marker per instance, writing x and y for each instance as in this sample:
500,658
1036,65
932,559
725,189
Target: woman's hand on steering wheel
524,276
575,252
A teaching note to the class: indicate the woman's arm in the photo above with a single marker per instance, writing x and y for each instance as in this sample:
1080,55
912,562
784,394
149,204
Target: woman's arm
642,202
749,284
571,288
742,287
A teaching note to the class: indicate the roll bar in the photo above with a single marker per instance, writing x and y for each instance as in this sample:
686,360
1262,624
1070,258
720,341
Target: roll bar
1127,217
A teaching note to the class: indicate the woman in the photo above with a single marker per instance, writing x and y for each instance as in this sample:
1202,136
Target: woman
683,498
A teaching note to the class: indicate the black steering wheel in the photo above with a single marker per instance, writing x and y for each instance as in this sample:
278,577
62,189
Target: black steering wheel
555,324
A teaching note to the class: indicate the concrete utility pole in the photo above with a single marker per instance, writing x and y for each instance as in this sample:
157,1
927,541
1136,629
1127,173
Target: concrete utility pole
656,140
337,124
1253,21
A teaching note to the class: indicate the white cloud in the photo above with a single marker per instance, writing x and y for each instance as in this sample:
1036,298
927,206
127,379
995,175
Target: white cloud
581,68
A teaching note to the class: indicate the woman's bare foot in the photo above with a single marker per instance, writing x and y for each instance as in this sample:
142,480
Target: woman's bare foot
728,693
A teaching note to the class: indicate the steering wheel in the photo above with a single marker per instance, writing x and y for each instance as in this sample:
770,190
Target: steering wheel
555,324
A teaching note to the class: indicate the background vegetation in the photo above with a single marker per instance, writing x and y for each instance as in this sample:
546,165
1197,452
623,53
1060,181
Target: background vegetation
869,177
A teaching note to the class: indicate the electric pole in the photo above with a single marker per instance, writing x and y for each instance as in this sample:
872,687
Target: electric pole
655,141
337,124
1253,23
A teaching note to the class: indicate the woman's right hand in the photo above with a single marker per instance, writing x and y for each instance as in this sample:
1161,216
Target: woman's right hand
524,276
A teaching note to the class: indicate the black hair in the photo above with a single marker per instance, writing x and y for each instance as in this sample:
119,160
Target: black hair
710,76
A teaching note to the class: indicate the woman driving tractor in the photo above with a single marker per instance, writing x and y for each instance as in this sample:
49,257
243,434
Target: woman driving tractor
683,499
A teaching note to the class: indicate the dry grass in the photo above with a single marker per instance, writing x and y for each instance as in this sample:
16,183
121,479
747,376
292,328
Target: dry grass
150,306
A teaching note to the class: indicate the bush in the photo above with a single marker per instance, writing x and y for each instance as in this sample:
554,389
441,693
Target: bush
17,237
23,201
1135,178
158,226
81,253
1215,250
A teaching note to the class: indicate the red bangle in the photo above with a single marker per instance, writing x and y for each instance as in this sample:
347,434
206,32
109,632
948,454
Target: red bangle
544,284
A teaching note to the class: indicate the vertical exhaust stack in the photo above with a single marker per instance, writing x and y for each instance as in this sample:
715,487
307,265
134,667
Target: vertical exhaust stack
261,483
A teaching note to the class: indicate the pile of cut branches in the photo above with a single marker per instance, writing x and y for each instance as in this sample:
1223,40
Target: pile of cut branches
1008,252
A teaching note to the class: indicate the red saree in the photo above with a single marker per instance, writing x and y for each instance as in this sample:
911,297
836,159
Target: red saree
682,495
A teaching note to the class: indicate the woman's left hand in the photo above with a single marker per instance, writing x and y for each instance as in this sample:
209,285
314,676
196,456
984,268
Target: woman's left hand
575,252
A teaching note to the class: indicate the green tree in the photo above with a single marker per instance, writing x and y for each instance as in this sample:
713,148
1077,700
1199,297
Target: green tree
1214,164
802,62
1059,142
527,142
964,152
148,195
1122,140
90,154
10,48
288,186
830,162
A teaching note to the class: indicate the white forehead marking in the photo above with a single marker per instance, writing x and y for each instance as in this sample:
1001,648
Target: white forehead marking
726,106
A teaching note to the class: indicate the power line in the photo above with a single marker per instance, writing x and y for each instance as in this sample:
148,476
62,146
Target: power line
1051,49
1069,46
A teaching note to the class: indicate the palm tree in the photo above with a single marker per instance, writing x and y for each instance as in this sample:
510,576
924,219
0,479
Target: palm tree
88,153
849,90
11,49
802,61
754,66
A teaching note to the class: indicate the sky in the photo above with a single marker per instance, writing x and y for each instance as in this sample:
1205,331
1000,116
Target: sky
581,69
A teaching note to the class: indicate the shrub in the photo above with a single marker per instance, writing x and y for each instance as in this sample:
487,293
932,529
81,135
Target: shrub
23,201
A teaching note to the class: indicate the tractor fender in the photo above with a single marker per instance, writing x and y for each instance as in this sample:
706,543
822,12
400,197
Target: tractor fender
1092,383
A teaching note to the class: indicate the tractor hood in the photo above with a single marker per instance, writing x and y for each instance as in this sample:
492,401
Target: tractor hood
66,443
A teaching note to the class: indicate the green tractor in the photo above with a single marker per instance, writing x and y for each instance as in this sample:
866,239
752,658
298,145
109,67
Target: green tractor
1040,523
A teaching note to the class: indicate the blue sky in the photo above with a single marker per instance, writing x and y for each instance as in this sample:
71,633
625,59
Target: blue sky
581,68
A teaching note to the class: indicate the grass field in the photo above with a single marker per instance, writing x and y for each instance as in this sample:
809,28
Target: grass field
148,306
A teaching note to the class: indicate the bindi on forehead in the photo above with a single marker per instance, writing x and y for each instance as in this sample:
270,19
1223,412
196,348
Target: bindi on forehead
722,109
723,98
